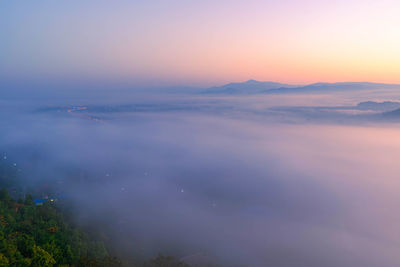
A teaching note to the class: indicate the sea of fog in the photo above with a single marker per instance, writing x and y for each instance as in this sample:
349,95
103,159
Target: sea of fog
231,178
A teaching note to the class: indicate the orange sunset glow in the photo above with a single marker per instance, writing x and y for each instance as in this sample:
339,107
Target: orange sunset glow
207,42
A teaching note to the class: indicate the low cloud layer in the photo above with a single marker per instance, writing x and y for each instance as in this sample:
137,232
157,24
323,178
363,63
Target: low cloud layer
235,185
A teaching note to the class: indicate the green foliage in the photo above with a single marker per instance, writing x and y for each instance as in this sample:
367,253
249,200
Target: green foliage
39,236
42,258
4,195
3,260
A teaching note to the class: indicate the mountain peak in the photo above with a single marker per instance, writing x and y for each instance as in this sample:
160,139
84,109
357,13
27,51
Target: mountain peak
248,87
252,81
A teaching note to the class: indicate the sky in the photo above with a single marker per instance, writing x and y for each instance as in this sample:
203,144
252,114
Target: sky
201,43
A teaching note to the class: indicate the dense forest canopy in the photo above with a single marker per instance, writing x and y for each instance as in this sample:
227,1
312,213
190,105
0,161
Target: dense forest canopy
39,234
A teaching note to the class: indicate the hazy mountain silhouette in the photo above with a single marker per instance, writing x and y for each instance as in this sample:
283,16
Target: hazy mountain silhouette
393,115
256,87
378,106
333,87
248,87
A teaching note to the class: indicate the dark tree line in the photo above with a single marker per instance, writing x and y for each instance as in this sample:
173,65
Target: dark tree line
33,235
39,236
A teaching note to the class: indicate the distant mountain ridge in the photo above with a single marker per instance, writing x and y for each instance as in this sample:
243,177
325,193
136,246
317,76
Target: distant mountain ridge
248,87
393,115
256,87
333,87
379,106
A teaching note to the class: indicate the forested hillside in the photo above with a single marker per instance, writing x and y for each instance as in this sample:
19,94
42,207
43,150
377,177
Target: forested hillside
41,233
38,236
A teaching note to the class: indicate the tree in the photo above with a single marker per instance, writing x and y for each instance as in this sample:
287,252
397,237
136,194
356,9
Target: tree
41,258
26,245
4,195
29,200
3,260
